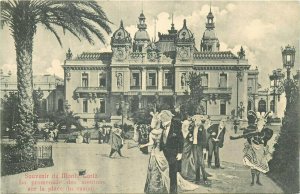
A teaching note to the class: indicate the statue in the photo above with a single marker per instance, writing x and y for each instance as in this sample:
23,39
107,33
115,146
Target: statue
119,80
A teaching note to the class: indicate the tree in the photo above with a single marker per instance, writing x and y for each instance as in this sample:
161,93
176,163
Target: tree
284,166
9,112
193,103
37,97
80,18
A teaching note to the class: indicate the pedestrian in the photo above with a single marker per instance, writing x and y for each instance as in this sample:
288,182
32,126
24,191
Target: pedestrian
256,152
116,141
171,143
199,147
215,142
55,131
87,137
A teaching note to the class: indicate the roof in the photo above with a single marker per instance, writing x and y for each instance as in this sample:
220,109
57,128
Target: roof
209,34
141,35
94,56
165,46
215,55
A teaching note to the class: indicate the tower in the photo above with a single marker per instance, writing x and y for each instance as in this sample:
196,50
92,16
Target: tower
141,37
121,43
185,43
210,42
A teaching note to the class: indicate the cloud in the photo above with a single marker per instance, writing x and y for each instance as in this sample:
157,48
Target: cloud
56,68
257,29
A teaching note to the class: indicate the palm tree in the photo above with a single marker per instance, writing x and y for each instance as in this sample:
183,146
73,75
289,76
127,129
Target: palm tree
81,18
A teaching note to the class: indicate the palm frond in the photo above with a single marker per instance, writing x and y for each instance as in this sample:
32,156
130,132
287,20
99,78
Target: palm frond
49,27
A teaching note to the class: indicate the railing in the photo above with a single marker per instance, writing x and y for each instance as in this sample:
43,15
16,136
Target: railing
151,87
91,89
135,87
218,90
44,152
167,87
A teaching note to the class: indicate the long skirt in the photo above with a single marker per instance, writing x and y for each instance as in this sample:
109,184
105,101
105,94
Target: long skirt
256,157
158,180
188,171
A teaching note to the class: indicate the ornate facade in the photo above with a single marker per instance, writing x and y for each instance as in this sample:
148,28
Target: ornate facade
139,72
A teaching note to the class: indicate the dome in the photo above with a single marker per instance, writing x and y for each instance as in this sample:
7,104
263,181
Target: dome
121,35
185,33
141,35
209,34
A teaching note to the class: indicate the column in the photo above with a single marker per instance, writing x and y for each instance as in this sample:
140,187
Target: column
244,93
160,79
144,79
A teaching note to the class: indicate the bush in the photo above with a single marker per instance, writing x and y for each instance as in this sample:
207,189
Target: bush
14,160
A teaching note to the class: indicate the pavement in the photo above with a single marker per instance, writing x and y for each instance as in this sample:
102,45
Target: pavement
127,174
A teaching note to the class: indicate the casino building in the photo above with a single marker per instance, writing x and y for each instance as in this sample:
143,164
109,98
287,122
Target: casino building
138,72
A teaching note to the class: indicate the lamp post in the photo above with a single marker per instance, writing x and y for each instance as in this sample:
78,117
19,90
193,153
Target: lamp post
122,107
276,77
288,59
239,77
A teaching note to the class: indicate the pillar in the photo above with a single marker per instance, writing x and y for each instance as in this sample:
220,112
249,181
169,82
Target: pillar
144,79
160,79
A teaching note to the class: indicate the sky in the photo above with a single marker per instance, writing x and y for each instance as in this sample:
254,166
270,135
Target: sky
261,27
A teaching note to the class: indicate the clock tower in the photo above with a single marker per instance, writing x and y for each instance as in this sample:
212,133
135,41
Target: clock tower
121,44
185,43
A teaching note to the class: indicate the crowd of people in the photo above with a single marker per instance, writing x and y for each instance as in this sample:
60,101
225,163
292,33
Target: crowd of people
181,145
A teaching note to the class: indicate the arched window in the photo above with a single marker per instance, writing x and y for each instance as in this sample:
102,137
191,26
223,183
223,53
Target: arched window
60,105
262,106
272,106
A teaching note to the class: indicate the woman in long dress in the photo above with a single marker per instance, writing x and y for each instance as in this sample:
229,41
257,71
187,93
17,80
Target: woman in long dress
158,180
187,162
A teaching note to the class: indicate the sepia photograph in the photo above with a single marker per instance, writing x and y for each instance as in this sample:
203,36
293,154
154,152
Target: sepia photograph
141,96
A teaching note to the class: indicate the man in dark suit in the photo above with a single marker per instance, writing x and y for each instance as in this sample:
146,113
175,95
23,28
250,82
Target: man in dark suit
215,141
199,148
171,144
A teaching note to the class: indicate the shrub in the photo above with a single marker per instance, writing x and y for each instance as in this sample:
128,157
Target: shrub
14,160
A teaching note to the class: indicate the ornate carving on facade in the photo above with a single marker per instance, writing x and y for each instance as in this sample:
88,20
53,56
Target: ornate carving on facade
69,55
67,74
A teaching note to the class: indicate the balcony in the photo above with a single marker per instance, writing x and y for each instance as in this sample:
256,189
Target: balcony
151,87
135,87
218,90
167,87
91,90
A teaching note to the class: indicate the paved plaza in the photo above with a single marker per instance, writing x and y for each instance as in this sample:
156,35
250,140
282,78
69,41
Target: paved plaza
128,174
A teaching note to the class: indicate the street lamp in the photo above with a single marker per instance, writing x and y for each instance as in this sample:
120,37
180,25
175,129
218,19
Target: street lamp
276,77
239,77
288,59
122,107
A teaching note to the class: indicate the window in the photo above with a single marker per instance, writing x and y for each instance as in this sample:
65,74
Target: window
135,79
84,120
168,79
85,80
272,106
262,106
204,80
223,80
60,105
44,105
102,106
223,108
152,79
102,80
85,105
